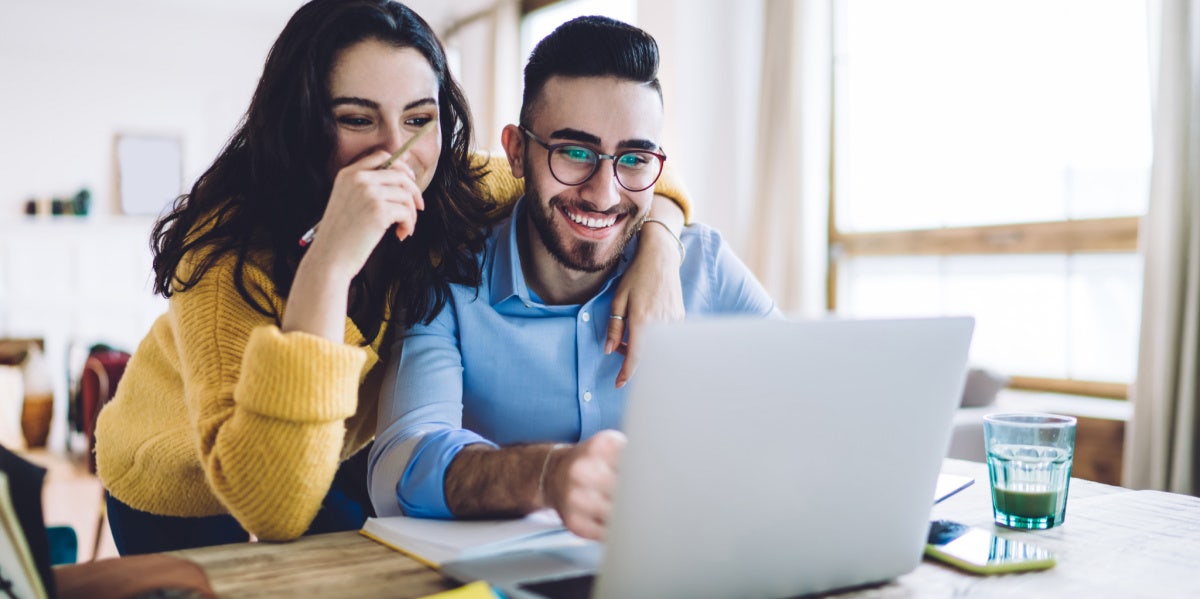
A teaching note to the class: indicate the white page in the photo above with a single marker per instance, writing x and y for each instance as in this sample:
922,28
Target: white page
949,484
437,541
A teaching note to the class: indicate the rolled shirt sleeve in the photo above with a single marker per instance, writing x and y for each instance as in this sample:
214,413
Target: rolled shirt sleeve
420,414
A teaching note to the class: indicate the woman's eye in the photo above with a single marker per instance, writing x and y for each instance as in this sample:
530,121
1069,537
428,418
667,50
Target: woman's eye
354,121
418,121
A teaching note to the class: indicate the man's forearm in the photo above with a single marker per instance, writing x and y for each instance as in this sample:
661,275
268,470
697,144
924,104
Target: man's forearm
484,481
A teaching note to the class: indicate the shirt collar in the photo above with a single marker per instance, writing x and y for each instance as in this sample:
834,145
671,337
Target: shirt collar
506,278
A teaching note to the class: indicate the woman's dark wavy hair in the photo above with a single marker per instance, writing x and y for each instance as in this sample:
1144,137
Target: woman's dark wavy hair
272,180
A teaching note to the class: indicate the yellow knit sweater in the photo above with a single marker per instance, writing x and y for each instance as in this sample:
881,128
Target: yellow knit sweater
219,412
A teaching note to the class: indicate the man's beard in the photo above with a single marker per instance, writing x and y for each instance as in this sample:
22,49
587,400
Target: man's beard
573,253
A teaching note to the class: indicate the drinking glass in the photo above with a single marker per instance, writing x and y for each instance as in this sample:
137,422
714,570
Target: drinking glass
1029,464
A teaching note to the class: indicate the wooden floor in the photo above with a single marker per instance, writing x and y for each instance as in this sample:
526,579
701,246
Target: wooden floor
73,497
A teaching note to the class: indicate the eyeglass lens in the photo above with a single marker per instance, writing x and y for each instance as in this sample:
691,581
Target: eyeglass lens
636,170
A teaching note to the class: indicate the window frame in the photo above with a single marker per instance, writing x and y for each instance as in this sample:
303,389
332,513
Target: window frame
1058,237
1067,237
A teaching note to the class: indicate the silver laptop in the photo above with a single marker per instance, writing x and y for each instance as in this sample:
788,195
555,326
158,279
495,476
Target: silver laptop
766,459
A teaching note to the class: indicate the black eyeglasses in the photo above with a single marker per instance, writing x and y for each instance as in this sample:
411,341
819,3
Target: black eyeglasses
573,164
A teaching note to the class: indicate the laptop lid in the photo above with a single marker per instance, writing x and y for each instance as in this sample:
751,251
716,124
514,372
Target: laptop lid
770,458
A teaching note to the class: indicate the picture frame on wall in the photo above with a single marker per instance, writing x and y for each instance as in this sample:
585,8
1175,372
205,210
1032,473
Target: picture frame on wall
149,172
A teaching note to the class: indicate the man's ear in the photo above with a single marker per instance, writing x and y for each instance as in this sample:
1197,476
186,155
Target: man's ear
513,141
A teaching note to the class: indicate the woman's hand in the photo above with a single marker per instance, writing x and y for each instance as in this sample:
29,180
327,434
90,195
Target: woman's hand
650,290
364,203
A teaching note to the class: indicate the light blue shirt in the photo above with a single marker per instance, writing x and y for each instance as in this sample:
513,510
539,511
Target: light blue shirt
498,366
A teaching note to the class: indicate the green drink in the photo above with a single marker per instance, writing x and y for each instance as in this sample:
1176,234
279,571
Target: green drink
1029,485
1025,503
1029,462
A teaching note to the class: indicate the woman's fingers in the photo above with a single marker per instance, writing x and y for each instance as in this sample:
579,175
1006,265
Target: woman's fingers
616,323
363,204
392,195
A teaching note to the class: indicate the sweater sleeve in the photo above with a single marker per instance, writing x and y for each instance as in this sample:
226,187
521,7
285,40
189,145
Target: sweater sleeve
499,185
268,408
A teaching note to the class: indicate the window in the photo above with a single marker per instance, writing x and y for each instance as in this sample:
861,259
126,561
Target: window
992,158
539,23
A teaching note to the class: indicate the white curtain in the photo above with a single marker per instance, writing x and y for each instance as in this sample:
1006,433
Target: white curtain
1161,451
788,231
484,50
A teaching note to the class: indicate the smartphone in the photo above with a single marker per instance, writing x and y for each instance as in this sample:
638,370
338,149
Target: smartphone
979,551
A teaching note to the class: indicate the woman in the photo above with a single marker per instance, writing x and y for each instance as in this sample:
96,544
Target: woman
246,408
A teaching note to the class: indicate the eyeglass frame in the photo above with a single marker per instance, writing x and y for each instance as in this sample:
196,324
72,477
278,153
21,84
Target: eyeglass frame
550,149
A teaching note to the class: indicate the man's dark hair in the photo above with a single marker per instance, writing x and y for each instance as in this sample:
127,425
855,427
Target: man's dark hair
590,47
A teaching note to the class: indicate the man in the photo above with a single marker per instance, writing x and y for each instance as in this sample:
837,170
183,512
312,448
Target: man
504,404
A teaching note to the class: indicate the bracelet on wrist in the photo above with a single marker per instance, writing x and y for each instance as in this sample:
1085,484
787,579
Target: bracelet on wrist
541,488
678,241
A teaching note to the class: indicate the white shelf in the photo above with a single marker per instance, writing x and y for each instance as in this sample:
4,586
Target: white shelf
76,281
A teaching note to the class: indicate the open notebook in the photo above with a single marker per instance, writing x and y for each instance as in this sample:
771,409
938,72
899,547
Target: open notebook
19,576
435,542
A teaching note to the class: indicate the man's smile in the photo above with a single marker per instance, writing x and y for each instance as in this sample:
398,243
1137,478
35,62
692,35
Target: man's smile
591,222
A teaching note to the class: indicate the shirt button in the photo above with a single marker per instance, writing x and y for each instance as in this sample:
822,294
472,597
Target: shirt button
587,396
585,316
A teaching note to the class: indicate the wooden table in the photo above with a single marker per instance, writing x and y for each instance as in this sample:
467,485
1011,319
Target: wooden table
1114,543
